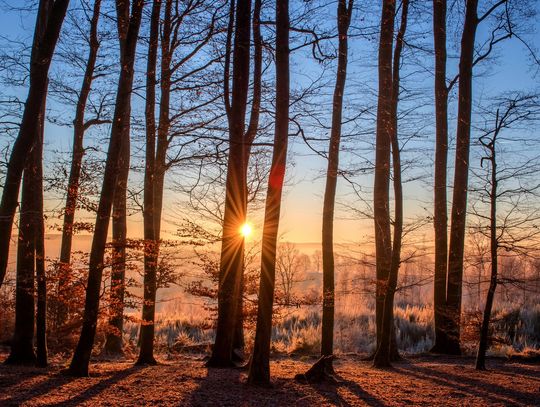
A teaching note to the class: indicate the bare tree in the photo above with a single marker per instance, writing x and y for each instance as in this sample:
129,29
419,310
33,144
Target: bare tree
514,229
259,369
50,17
128,28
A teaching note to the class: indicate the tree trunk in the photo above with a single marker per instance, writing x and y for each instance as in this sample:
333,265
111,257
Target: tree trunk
22,345
384,354
75,171
259,370
232,253
113,344
494,246
440,216
49,22
81,357
461,175
151,235
39,247
383,248
327,331
251,132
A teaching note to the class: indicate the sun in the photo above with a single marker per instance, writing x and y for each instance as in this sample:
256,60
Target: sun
246,230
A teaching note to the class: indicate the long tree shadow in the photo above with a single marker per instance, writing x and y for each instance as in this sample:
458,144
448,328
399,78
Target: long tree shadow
58,380
488,391
330,392
13,376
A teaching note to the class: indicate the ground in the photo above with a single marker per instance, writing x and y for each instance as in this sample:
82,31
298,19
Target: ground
185,381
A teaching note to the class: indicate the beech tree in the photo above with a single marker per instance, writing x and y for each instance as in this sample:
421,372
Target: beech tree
235,193
80,125
259,368
344,13
128,29
50,17
384,352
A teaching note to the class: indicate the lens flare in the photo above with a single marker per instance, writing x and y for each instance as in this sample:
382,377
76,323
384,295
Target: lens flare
246,230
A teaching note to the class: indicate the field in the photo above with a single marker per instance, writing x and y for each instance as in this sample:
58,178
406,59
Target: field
185,381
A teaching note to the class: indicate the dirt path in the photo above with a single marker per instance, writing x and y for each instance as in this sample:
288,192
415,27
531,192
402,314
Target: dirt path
420,381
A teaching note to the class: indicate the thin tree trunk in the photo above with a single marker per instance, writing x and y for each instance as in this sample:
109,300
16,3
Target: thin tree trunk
383,244
129,26
49,22
494,246
75,171
440,216
327,331
39,247
151,235
259,370
461,176
232,253
384,353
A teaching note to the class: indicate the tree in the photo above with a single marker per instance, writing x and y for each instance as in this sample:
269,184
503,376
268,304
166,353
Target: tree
150,239
383,355
50,17
506,186
259,369
449,282
128,32
344,13
80,125
235,194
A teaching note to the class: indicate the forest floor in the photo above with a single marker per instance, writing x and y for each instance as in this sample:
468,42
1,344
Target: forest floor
185,381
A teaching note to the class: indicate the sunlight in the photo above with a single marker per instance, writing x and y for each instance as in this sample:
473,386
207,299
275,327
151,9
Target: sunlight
246,230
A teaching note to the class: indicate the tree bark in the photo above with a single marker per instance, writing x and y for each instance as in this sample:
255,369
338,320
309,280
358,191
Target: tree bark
39,247
384,354
383,248
232,253
461,176
81,357
440,216
76,164
259,370
49,22
151,235
344,12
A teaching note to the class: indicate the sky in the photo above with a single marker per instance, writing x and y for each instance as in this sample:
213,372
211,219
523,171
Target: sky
302,202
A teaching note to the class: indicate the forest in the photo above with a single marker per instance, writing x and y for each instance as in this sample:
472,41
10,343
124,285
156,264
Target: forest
270,202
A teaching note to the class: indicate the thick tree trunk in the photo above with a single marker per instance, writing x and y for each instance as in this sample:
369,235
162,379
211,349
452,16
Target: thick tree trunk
49,22
151,235
251,132
461,176
81,357
22,345
440,215
232,253
327,331
75,170
384,354
113,344
383,244
259,370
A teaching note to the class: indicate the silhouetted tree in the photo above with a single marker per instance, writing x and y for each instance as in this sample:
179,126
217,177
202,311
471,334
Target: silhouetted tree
128,23
344,13
50,17
259,369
